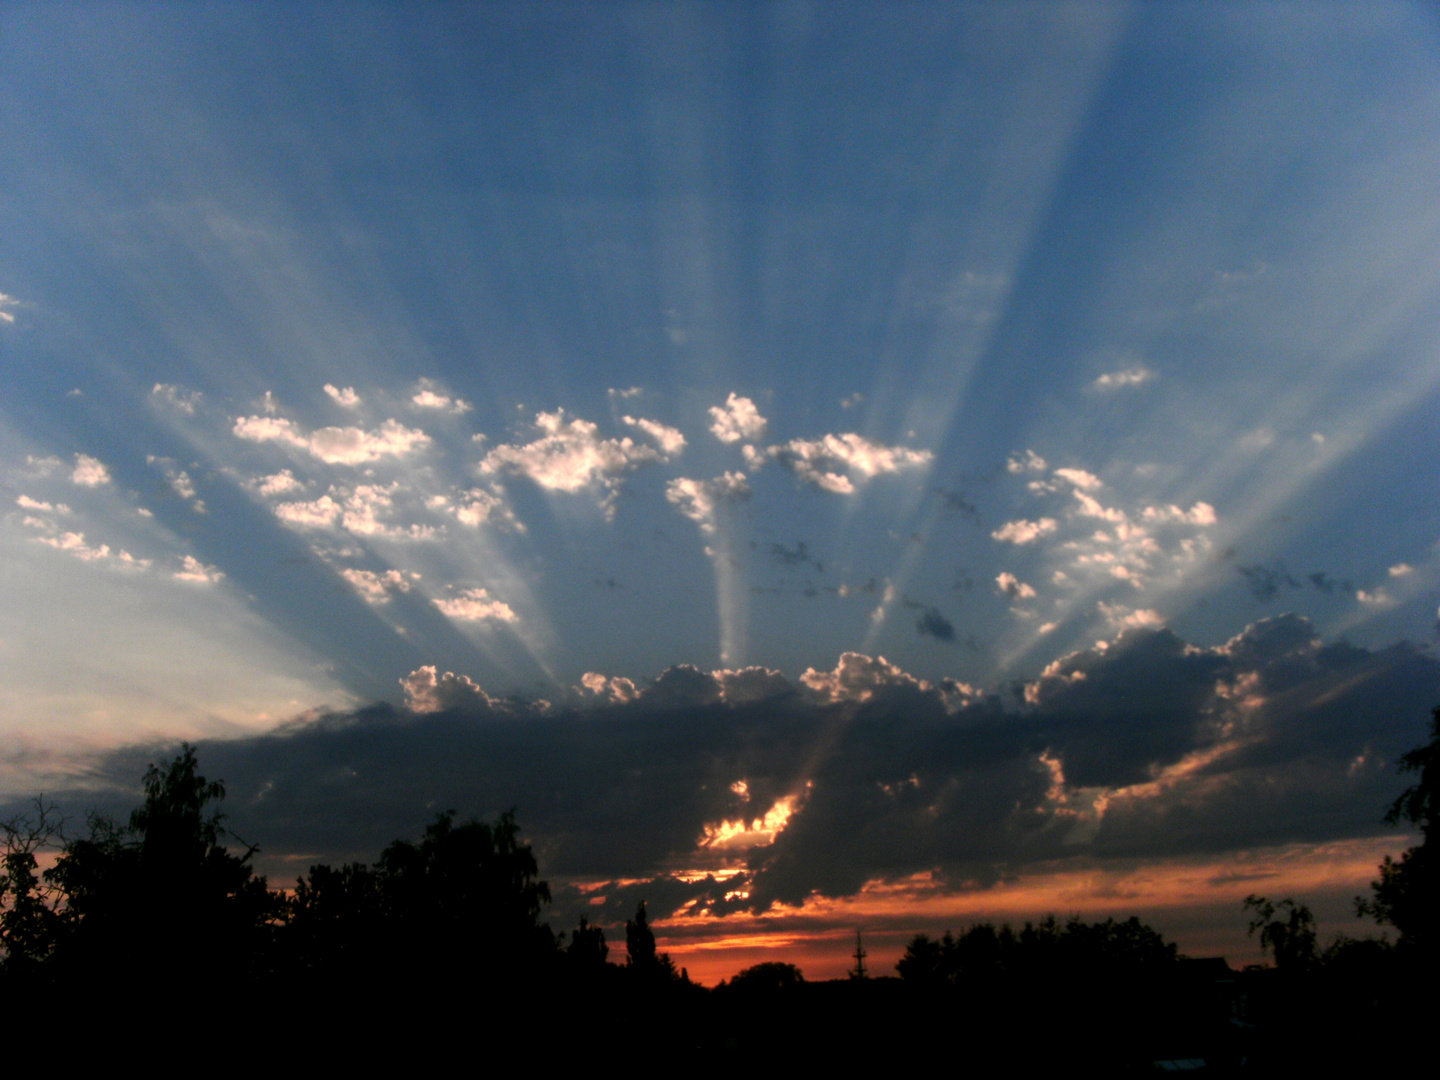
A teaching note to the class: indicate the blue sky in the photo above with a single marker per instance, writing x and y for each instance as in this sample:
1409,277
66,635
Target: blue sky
557,347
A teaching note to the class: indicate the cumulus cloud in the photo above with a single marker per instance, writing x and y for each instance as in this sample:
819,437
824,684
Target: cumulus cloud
858,678
376,587
477,506
820,461
1131,376
700,500
669,439
192,569
1011,586
73,543
1024,532
429,396
346,398
1147,747
1401,570
175,397
281,483
27,503
364,509
1122,617
427,691
334,445
1026,462
89,472
571,456
7,302
738,419
475,605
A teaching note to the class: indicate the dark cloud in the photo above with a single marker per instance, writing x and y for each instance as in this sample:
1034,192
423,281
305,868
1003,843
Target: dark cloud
932,624
1148,748
1266,581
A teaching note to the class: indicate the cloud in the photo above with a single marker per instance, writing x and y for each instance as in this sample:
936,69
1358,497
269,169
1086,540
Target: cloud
192,569
1024,532
1011,586
364,509
1377,598
476,605
174,397
669,439
428,397
1027,462
1079,478
1148,747
27,503
89,472
1401,570
1122,617
334,445
426,691
281,483
377,587
6,303
933,624
320,513
1131,376
570,456
737,419
700,500
73,543
818,461
476,507
346,398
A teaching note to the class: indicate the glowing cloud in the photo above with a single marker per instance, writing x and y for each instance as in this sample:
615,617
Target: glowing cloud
174,397
476,605
699,500
817,461
192,569
1024,532
89,472
1131,376
346,398
669,439
570,456
737,419
334,445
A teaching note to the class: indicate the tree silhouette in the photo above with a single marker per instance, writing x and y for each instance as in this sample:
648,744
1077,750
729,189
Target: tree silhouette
1407,892
161,906
1287,930
640,955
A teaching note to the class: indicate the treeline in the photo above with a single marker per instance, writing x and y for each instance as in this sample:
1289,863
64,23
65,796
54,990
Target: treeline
163,916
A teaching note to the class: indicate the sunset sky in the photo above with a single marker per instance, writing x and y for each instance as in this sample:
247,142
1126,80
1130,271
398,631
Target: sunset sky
826,466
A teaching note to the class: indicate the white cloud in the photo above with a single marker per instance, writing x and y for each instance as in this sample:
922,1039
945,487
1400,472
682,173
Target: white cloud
699,500
334,445
192,569
428,691
570,456
35,504
176,398
1122,617
377,588
615,690
428,397
474,605
1024,532
737,419
1013,587
1085,481
816,461
623,395
478,506
669,439
1202,513
317,514
1027,462
73,543
281,483
347,398
858,677
89,472
1131,376
1377,598
1401,570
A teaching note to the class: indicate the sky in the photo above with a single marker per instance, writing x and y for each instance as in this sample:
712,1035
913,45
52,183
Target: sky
827,467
